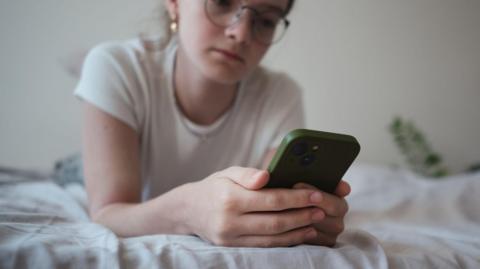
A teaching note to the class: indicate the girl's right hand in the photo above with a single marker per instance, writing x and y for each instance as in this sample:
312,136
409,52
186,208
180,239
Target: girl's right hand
229,208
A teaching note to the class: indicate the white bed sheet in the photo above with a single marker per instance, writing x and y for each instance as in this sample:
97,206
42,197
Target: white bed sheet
396,220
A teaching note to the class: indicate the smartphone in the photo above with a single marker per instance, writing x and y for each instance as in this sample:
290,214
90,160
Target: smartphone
313,157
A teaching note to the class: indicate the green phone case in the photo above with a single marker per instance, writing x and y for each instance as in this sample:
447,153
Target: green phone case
314,157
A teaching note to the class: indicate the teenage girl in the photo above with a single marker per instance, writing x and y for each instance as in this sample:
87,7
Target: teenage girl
177,132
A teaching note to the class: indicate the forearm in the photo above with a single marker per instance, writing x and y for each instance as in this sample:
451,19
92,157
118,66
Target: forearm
164,214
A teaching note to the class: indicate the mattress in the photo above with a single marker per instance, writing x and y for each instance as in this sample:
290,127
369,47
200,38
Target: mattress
397,219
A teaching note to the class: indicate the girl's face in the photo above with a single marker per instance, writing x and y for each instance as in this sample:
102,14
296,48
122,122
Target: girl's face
222,54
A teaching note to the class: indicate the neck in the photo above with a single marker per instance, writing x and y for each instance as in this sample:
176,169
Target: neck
201,100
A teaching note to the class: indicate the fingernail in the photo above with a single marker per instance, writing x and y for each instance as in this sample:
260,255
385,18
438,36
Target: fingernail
312,233
316,197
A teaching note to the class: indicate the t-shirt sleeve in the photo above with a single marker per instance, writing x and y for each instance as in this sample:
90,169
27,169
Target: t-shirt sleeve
289,111
105,84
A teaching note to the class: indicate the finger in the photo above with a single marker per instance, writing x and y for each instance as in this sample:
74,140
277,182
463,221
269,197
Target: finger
343,189
322,239
302,185
333,205
290,238
279,222
280,199
249,178
330,225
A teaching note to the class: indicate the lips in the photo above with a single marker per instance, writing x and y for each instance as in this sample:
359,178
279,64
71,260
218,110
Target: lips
230,55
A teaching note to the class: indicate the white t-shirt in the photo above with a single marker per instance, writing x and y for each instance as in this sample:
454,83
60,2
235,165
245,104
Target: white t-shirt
134,84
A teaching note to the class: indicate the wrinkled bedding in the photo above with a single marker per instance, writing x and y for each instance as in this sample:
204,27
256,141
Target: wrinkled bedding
396,220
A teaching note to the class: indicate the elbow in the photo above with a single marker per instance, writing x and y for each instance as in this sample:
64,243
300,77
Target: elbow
95,216
97,213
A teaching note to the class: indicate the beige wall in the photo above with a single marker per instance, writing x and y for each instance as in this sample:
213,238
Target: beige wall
360,63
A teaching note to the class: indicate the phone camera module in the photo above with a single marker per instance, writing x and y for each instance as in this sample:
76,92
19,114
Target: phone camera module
307,159
300,149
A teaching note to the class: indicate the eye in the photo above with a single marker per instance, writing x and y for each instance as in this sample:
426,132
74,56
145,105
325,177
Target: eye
267,22
222,3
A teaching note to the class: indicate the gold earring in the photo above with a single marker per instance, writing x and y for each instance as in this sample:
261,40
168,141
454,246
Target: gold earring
174,25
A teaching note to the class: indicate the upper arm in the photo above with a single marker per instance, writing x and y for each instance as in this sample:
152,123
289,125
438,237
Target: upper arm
111,159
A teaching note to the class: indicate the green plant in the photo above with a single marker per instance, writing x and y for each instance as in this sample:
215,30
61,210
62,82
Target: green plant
417,151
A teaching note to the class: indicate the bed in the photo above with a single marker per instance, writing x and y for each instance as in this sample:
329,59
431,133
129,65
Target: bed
396,220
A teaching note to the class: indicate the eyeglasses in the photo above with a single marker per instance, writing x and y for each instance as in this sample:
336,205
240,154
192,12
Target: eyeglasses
268,26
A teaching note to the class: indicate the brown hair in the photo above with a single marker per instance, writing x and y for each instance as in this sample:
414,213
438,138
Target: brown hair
289,6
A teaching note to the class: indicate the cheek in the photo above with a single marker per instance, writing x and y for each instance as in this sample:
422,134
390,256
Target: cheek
192,31
197,35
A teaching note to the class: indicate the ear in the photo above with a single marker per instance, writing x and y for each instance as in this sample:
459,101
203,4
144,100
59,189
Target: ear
172,8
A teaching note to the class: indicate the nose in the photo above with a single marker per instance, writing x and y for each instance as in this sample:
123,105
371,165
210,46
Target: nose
241,30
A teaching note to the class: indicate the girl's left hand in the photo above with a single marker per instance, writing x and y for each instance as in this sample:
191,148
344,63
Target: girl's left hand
333,207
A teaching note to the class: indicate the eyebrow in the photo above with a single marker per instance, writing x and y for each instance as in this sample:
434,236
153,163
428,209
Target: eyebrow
266,7
269,7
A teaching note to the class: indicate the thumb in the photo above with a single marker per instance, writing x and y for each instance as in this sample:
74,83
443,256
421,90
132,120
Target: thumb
249,178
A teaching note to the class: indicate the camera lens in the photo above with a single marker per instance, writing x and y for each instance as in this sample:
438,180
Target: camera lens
307,159
299,149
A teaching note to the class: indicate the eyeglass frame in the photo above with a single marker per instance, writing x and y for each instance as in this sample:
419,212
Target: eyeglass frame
256,13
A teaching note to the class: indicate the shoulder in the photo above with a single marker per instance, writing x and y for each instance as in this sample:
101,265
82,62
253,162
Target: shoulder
117,77
118,54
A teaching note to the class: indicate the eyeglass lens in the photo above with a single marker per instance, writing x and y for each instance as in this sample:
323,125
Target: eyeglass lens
268,24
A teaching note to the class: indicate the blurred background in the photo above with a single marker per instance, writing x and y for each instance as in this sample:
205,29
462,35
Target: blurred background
360,63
